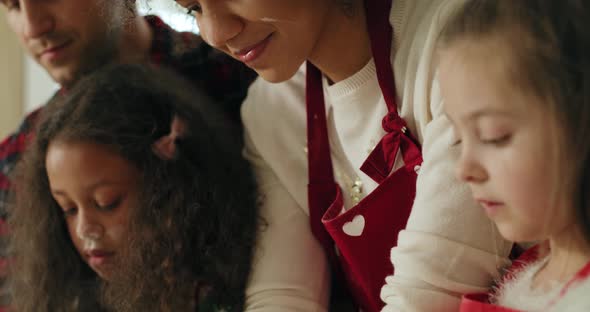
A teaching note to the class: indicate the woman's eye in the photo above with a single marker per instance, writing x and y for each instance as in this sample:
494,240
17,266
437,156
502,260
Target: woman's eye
194,9
456,142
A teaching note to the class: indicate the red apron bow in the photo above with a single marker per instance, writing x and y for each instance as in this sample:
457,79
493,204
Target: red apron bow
382,159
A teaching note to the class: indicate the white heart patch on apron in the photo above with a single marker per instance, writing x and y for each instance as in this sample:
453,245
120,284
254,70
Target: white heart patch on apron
354,227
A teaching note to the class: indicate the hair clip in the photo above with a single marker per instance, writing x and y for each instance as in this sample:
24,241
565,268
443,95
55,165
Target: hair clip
165,147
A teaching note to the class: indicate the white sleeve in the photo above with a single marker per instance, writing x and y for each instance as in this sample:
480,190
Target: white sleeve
449,246
290,271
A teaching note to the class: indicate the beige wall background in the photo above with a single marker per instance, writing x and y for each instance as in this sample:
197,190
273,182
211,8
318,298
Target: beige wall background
11,79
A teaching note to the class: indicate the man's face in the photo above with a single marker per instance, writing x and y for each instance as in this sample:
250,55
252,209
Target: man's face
68,37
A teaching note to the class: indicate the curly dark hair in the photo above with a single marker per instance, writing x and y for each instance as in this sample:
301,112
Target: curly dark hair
192,235
550,48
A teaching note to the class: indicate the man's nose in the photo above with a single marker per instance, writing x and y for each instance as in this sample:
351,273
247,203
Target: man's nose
36,19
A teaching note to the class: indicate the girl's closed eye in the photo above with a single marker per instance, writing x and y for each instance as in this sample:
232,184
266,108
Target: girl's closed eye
497,140
67,207
494,131
108,205
69,212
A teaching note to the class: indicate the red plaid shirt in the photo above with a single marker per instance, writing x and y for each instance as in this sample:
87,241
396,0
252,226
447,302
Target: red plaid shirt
221,77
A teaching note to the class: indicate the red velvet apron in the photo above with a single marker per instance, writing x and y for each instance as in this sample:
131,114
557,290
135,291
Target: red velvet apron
378,218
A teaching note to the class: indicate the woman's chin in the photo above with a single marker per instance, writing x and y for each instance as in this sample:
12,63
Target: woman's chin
276,75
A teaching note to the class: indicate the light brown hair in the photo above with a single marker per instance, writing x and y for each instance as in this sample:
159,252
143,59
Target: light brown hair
549,42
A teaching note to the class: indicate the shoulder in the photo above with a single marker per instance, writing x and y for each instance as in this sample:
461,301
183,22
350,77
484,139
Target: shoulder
417,27
11,151
15,143
575,299
574,296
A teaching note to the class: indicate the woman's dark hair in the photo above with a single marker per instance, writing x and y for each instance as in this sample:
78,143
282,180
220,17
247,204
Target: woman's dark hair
193,231
549,44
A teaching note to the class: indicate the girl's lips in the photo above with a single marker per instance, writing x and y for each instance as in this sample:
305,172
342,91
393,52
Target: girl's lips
99,257
250,54
491,207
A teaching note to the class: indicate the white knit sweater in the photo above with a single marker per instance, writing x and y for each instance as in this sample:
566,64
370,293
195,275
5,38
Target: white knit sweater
449,246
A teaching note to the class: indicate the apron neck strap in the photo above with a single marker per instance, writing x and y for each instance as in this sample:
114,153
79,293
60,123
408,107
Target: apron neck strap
380,34
318,144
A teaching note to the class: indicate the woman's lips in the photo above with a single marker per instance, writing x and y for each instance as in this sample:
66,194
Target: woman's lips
251,54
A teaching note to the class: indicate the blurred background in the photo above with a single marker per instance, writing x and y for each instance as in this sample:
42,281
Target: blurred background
24,85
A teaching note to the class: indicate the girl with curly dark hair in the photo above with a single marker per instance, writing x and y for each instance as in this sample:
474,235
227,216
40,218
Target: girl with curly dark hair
134,196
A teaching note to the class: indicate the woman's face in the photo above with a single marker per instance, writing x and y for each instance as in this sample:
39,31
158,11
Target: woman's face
273,37
96,189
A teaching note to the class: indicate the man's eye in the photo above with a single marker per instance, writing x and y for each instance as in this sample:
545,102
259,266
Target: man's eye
11,4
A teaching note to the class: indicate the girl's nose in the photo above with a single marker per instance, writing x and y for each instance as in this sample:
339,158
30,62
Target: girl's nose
89,228
469,169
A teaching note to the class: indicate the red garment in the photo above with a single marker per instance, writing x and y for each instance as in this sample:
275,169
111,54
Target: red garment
363,253
480,302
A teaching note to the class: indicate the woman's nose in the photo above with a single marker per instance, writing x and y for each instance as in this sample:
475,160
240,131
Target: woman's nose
218,28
